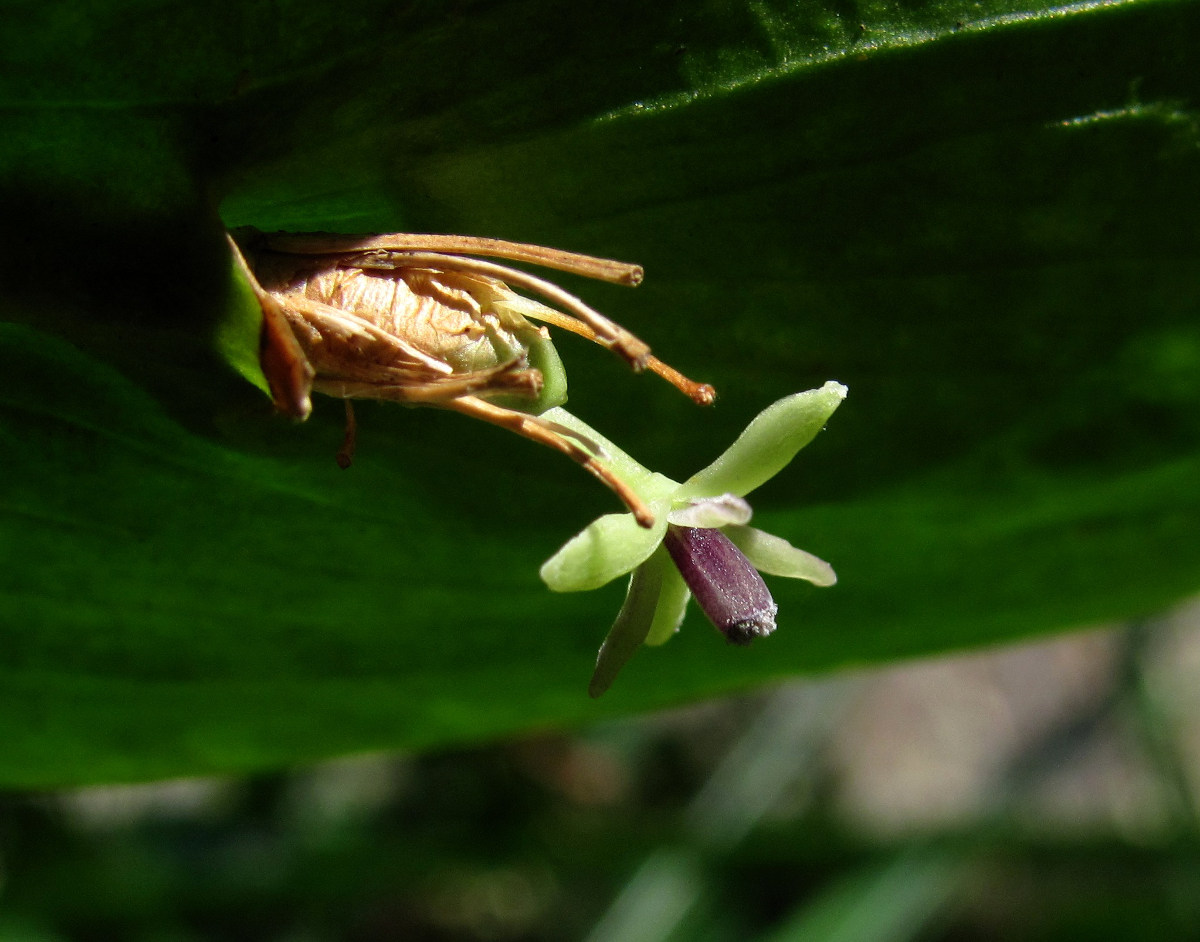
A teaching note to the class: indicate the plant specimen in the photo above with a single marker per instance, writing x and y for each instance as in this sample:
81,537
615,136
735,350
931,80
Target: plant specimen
700,543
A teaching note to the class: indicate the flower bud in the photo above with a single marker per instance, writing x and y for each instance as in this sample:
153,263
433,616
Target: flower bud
726,585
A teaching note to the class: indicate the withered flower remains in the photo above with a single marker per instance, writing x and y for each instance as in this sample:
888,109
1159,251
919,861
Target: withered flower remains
418,319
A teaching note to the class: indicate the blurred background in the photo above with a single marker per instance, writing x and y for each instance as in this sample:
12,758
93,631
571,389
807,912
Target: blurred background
1046,791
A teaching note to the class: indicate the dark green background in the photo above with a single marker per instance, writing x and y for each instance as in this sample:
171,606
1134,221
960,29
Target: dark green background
980,217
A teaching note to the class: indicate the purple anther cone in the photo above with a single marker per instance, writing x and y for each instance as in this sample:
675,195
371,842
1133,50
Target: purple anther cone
725,584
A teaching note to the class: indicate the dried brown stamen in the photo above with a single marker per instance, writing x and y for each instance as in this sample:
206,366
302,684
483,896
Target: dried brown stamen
587,266
700,393
603,331
539,430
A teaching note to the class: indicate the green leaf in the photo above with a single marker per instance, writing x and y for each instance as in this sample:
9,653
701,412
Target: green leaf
977,217
892,902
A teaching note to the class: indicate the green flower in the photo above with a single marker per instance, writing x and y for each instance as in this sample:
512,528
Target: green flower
699,542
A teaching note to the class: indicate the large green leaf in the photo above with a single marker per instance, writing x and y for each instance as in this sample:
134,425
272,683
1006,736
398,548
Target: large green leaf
980,217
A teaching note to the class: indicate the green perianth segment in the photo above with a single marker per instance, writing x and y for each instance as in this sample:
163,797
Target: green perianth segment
767,445
544,357
239,329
